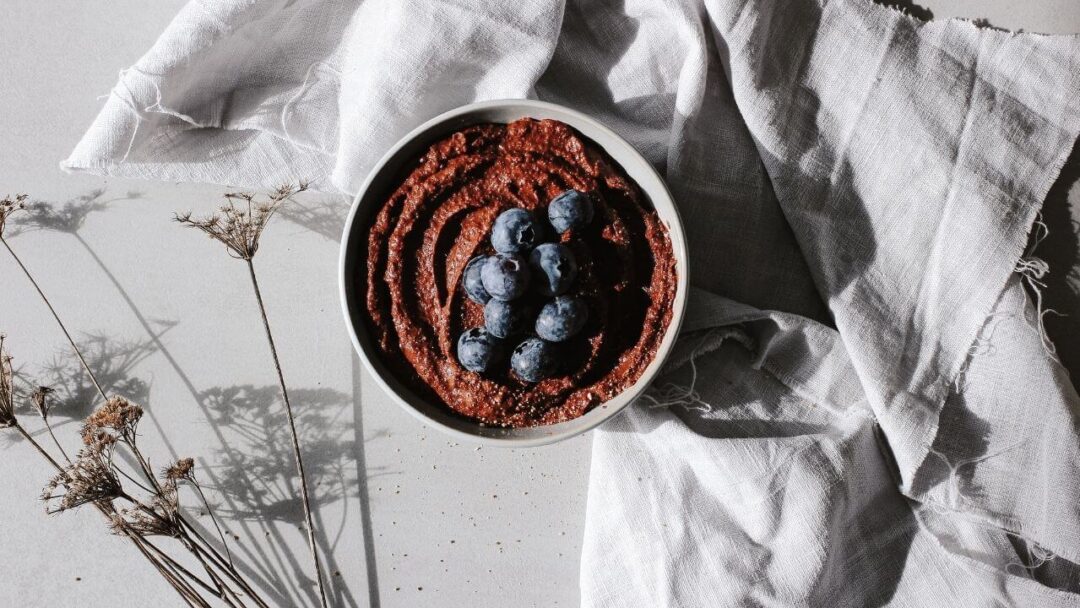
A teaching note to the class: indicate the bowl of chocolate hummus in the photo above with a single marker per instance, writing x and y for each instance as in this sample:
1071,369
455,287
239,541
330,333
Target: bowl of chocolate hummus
513,272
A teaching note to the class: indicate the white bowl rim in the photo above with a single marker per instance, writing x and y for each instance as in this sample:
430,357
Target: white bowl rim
658,194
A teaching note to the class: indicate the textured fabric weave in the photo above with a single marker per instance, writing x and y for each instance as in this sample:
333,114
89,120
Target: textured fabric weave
896,431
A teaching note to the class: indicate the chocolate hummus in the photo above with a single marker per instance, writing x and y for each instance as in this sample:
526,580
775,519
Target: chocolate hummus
439,218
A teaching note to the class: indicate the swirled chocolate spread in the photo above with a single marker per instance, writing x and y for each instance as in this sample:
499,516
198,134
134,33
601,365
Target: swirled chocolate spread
441,217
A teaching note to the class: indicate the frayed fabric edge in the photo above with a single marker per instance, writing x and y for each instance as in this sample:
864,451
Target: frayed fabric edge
1022,243
1032,271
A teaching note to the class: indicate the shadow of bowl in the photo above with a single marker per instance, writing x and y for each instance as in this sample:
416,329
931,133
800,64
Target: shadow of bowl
386,176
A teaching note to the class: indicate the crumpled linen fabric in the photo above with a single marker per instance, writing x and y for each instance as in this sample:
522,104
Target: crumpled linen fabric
862,409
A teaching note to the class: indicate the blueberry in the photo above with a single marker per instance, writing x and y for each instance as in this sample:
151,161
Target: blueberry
505,319
555,268
505,276
534,359
561,318
570,210
515,231
474,285
477,350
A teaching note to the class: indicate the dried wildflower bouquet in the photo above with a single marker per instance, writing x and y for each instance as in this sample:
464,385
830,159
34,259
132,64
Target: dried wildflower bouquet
110,472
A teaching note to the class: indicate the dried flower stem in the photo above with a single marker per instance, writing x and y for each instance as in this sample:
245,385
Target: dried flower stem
138,483
175,566
213,518
63,328
194,540
293,435
186,592
240,229
27,436
40,399
222,586
48,427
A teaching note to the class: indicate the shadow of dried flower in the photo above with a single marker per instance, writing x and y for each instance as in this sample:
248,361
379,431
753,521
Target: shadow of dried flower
261,473
324,216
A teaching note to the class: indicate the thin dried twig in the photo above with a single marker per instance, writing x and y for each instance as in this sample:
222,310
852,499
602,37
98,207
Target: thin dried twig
184,470
40,399
293,436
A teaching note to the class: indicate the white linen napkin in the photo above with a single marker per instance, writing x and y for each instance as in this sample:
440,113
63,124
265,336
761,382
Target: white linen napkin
898,432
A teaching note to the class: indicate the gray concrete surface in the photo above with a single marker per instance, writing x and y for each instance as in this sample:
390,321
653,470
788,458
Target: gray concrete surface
413,519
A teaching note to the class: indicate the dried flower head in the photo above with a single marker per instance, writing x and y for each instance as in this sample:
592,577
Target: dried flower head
7,388
160,518
40,399
98,438
137,522
118,419
181,469
89,479
9,205
240,223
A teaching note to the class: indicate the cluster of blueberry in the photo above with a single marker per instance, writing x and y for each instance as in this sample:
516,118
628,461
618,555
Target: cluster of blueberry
499,282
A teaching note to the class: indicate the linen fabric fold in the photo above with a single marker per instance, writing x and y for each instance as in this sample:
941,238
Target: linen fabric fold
863,409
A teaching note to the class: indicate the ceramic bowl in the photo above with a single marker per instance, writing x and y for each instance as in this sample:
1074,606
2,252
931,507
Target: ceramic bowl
386,176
